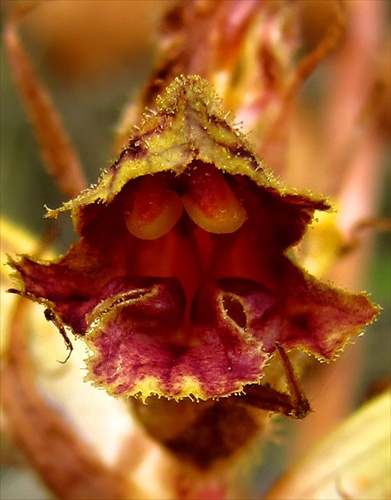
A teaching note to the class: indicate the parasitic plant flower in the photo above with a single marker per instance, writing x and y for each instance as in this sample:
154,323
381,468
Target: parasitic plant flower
191,278
180,284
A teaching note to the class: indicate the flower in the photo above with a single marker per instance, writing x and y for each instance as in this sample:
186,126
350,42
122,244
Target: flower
181,284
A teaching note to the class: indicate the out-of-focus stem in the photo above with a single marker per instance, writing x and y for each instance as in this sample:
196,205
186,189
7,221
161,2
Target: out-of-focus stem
355,180
60,158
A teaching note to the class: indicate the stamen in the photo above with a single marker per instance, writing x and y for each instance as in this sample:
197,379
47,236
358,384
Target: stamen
211,203
156,209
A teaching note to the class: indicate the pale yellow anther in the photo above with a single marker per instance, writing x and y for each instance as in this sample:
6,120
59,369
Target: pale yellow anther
211,203
155,211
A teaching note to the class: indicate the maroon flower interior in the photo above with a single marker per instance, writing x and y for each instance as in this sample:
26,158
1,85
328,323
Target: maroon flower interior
180,284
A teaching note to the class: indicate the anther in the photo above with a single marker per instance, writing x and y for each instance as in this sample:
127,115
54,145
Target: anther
211,203
156,209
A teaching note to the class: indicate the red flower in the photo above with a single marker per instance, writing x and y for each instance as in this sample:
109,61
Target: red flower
180,283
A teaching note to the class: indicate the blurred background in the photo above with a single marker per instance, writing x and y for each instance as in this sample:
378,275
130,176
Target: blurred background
94,56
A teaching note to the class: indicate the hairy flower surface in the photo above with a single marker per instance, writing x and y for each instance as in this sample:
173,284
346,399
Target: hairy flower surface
180,283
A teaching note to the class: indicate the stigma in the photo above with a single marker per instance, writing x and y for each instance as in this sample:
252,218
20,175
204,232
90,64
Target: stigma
201,191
